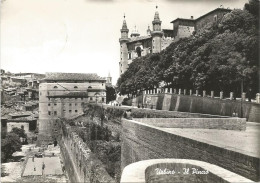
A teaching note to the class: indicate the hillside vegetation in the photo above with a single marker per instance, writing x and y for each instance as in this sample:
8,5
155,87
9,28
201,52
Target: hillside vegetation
219,59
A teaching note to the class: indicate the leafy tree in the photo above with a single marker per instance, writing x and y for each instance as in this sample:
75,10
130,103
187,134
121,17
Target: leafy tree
10,144
110,93
218,58
20,132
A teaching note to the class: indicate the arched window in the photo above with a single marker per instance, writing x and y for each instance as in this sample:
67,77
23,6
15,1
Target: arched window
89,87
138,51
22,127
55,87
75,87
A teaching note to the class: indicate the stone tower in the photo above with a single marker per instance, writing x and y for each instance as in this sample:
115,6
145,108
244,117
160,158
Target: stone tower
109,80
156,33
123,64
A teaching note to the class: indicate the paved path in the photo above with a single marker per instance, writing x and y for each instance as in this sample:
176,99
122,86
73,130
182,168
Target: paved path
246,142
52,166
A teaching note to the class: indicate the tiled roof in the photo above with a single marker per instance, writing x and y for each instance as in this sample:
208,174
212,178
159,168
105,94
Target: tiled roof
194,20
58,76
133,39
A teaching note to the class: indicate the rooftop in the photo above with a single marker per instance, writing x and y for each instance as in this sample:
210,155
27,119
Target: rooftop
140,38
58,76
194,20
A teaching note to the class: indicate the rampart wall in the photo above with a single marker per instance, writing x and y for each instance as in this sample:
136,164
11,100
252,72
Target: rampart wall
80,163
196,104
142,142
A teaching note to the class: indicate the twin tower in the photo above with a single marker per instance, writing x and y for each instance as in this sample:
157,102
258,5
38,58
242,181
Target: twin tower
136,45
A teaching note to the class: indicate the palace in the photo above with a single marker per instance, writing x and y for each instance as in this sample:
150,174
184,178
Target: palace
155,41
158,39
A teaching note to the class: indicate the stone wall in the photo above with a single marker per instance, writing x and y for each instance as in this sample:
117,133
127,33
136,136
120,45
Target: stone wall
150,113
80,163
142,142
205,123
204,105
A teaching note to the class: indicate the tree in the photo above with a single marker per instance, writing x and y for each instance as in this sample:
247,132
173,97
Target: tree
110,94
20,132
218,58
10,144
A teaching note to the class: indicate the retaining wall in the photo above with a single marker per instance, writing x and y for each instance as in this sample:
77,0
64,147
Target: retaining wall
80,163
142,142
196,104
206,123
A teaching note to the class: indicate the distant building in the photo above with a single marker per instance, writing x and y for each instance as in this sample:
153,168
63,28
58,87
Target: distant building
183,27
135,46
109,80
61,96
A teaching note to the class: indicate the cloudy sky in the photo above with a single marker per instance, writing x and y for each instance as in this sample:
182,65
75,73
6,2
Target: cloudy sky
82,35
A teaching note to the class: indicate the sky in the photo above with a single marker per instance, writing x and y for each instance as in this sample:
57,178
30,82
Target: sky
82,36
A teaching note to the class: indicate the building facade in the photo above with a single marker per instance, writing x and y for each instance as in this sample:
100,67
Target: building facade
135,46
185,27
61,95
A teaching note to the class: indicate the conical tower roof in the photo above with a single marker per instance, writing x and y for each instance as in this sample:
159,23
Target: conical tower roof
124,26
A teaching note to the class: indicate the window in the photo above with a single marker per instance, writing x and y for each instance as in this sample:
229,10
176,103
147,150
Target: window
76,110
103,99
69,104
76,104
75,87
55,87
91,98
215,17
76,98
81,98
49,104
55,103
49,112
55,113
69,111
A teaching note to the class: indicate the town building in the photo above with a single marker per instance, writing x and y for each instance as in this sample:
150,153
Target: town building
61,95
183,27
135,46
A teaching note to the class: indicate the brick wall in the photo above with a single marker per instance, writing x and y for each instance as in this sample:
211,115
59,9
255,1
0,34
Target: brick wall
143,142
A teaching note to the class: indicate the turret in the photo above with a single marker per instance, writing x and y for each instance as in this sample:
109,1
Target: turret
156,33
123,64
135,33
148,31
109,80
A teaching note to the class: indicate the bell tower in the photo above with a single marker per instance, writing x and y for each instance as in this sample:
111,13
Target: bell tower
123,64
156,33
